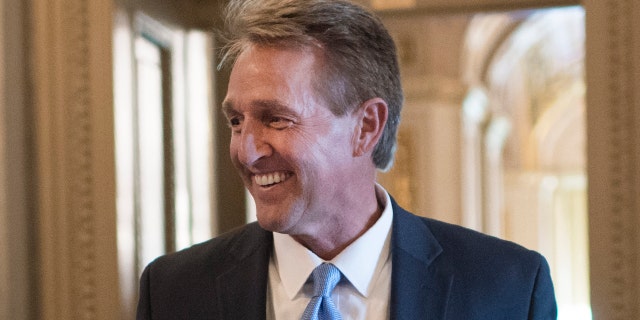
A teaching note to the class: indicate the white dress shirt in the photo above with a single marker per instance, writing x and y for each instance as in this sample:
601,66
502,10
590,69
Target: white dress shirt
365,263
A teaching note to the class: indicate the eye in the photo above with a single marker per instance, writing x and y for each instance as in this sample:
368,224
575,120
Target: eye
235,123
279,123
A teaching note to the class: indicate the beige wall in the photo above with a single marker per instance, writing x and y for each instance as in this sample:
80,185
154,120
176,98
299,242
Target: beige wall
4,272
16,245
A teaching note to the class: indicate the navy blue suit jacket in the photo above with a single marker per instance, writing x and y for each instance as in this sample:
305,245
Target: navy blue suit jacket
439,271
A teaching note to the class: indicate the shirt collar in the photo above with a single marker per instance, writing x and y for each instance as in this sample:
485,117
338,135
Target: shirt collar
358,262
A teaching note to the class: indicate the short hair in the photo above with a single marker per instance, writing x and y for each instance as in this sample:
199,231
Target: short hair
359,54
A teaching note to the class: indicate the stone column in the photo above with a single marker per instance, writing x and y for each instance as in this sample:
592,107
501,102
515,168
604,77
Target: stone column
613,137
16,220
74,140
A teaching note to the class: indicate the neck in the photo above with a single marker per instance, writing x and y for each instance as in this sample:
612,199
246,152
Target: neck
339,234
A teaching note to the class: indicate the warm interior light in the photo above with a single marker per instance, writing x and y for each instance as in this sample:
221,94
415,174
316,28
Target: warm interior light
392,4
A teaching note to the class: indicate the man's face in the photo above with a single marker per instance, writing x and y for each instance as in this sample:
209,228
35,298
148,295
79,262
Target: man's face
294,155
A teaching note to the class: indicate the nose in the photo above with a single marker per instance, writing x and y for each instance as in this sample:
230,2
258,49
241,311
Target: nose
252,144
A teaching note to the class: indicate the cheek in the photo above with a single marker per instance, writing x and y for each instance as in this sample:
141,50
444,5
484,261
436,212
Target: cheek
323,156
233,147
233,151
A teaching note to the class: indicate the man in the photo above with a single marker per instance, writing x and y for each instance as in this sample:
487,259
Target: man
313,103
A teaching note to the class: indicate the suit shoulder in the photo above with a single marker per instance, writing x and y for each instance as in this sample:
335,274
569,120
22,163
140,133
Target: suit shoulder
187,284
230,246
470,252
471,242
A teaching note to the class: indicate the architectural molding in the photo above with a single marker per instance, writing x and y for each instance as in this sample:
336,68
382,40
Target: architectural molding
16,243
72,74
430,7
613,86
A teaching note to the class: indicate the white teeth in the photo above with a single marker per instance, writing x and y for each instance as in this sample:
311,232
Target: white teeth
270,178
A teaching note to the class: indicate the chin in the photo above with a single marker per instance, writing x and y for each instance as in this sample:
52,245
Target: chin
271,222
279,217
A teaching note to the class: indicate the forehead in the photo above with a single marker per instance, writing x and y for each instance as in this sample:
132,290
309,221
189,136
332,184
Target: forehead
263,73
278,64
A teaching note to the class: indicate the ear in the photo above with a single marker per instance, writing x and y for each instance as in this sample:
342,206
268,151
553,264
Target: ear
372,117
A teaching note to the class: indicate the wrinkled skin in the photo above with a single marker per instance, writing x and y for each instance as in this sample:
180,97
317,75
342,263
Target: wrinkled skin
309,171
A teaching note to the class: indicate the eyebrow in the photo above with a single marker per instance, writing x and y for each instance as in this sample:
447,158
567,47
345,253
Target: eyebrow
271,105
227,108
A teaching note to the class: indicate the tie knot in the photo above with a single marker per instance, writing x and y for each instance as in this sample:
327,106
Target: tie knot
325,277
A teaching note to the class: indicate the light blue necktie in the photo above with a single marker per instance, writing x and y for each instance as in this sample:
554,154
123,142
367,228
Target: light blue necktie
325,277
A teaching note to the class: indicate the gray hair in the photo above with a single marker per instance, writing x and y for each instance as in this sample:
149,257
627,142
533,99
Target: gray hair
360,55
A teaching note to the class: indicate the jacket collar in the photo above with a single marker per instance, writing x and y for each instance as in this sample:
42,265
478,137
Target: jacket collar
244,283
418,287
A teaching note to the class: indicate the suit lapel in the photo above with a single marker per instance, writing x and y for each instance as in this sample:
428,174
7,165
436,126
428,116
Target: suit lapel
244,284
419,288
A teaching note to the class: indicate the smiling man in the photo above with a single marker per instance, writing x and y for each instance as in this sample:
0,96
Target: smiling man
313,103
310,171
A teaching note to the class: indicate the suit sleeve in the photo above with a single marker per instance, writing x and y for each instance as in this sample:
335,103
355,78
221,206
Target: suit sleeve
543,300
144,303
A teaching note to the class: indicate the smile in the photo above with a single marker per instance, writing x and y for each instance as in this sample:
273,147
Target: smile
271,178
